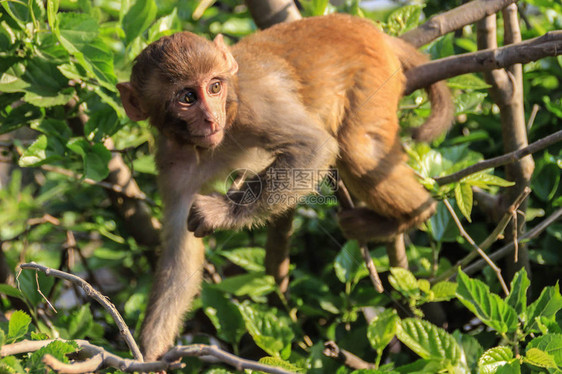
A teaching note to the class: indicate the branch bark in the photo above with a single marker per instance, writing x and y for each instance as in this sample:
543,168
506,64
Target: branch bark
99,358
454,19
549,44
101,299
267,13
507,92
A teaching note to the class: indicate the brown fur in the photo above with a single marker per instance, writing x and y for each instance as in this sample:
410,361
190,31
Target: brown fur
309,94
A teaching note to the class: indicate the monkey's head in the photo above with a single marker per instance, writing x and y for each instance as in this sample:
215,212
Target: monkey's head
181,83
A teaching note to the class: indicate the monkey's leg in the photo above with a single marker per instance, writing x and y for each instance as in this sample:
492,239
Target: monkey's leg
277,248
395,200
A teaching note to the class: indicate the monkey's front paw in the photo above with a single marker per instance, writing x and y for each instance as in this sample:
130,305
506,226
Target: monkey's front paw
206,215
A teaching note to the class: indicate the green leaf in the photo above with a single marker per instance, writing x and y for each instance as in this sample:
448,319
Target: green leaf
469,102
19,117
95,158
517,297
224,315
277,362
78,34
489,307
551,344
10,291
103,122
404,281
484,180
2,338
11,364
537,357
428,340
18,325
57,349
467,82
80,323
463,196
545,181
494,358
43,150
139,17
349,265
442,226
443,291
250,259
270,332
547,305
382,329
253,284
404,18
514,367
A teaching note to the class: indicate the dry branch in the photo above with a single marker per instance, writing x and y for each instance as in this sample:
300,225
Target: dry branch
504,221
101,299
454,19
549,44
508,248
501,160
99,358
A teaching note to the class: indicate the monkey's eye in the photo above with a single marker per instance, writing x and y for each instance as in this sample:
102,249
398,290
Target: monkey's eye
188,97
215,87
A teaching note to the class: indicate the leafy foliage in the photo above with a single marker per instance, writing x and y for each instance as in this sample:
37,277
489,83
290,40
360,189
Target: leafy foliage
62,124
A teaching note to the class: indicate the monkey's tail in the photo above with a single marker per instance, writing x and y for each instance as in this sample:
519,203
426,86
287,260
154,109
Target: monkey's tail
442,108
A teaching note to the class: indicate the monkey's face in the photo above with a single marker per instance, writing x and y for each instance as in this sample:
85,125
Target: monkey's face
196,114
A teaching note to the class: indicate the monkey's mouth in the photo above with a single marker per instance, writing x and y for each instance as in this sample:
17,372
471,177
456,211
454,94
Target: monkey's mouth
209,140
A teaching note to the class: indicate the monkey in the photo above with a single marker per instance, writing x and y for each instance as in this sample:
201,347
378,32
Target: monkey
310,94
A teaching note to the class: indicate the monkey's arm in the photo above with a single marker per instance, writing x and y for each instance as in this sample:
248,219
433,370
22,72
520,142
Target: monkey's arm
298,144
179,271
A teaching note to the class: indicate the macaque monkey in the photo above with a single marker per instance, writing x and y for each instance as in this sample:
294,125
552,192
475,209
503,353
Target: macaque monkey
310,94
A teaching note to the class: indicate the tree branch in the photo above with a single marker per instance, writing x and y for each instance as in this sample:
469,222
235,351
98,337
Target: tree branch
267,13
332,350
549,44
454,19
101,299
501,160
508,248
99,358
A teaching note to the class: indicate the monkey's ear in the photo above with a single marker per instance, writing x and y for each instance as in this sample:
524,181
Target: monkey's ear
131,102
232,64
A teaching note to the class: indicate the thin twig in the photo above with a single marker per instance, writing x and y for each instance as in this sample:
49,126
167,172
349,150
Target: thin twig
501,160
502,224
467,237
506,249
91,292
99,358
345,201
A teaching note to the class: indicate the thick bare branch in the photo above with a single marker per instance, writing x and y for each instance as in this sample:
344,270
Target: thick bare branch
549,44
454,19
267,13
